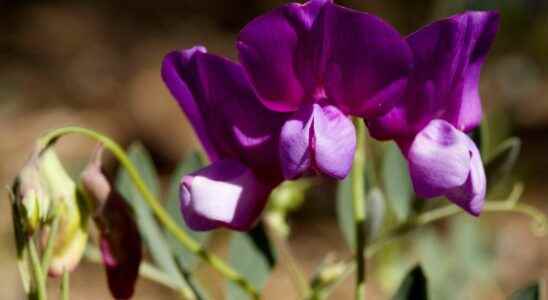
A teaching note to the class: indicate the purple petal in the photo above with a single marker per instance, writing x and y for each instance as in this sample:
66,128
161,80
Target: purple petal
334,141
450,53
439,159
448,56
221,105
174,64
317,138
364,62
271,50
295,143
224,194
471,195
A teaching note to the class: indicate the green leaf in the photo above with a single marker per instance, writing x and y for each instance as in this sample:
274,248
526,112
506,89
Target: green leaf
532,292
149,229
499,165
21,243
249,258
186,259
344,210
414,286
397,182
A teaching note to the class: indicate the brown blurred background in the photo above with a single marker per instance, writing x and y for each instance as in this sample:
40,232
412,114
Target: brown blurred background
96,64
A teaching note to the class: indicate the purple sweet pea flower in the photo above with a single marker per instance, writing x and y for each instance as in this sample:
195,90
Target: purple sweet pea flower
323,62
441,103
239,134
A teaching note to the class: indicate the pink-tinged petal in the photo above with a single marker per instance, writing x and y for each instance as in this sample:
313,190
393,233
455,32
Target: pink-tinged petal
334,141
318,139
439,159
221,105
224,194
471,195
271,50
363,62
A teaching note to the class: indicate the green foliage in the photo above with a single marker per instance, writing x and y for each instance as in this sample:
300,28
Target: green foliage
252,255
461,254
397,182
344,210
151,233
413,287
532,292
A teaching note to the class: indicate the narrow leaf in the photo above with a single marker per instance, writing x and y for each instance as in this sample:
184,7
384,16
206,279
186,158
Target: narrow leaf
149,229
344,210
531,292
413,286
397,182
248,259
502,161
23,260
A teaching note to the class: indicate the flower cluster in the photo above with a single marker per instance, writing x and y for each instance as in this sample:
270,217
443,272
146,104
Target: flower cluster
284,111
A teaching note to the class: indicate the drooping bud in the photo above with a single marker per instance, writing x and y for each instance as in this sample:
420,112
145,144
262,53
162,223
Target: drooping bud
31,196
120,242
72,235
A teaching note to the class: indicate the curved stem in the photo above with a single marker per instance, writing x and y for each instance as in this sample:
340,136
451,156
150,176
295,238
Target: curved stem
297,275
359,207
184,239
510,205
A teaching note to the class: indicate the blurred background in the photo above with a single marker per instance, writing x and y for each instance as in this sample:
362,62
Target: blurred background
96,64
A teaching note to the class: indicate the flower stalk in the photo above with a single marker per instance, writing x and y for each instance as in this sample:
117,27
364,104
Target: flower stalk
183,238
39,278
65,286
359,208
508,205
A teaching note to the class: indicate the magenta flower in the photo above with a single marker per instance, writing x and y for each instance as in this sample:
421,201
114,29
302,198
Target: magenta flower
323,62
441,103
239,134
284,112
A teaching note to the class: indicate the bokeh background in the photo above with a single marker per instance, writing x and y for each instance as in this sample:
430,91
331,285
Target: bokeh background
96,64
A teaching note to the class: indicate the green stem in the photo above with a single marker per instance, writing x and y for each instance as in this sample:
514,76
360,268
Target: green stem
38,274
298,277
359,207
184,239
65,287
50,245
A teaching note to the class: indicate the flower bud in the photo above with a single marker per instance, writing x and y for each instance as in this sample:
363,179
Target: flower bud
31,196
120,242
72,236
